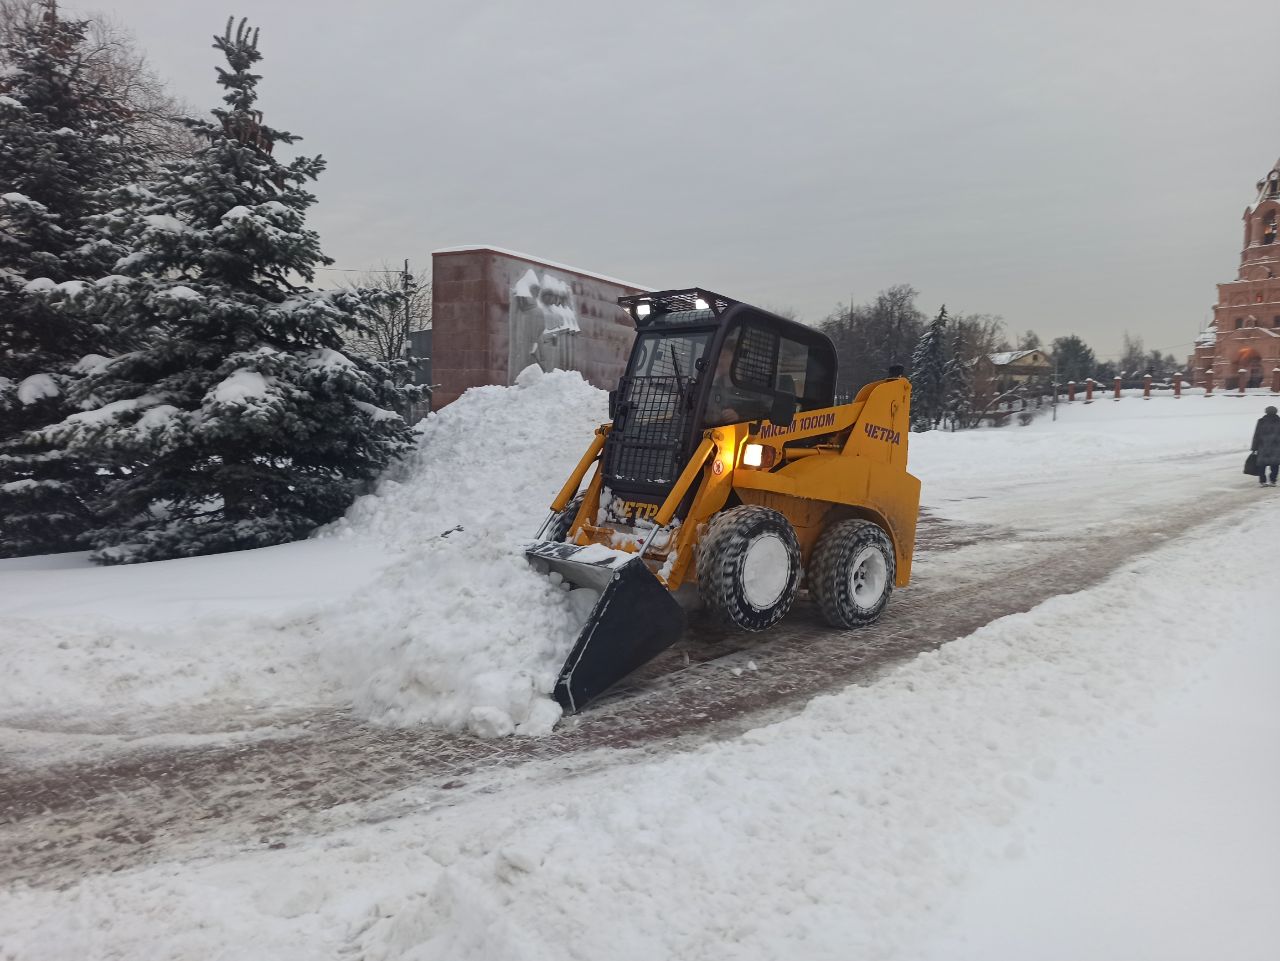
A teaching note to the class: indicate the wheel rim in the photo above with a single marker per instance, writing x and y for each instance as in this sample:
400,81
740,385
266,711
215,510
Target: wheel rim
868,578
766,566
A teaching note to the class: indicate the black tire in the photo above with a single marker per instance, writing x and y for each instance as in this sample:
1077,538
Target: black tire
851,573
749,567
558,530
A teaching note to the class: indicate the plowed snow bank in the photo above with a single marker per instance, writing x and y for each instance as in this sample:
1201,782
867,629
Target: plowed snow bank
462,634
383,610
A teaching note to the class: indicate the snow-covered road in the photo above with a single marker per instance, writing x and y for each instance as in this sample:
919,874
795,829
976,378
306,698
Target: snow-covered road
853,829
302,773
703,811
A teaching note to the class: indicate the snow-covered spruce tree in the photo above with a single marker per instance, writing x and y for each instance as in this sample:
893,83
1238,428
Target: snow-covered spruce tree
929,375
959,381
238,422
62,147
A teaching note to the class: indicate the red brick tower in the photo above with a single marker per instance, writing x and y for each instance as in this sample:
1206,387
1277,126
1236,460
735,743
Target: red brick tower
1245,334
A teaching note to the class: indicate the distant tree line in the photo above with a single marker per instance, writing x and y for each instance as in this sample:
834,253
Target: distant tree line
942,357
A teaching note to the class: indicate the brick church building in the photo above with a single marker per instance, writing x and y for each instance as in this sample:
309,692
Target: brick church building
1245,332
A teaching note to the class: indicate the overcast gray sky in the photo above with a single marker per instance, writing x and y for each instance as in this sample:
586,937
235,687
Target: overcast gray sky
1073,166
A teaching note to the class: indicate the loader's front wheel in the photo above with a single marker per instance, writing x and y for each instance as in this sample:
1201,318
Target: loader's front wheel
851,573
749,567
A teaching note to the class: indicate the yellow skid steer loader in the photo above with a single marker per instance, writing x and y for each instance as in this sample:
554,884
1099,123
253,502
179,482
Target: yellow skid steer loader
727,463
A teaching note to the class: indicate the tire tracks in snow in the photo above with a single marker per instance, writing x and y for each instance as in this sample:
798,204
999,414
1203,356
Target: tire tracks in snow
329,770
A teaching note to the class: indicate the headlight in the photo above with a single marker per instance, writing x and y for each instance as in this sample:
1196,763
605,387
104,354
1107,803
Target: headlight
753,455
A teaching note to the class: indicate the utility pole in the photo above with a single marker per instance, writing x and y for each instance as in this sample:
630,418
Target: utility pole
406,348
1055,387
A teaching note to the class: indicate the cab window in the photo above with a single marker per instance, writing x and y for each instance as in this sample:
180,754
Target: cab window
757,362
669,354
805,372
742,385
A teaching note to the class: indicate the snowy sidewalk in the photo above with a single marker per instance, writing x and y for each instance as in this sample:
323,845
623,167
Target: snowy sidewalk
1169,852
855,829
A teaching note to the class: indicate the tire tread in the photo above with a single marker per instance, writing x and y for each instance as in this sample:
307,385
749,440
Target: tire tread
829,574
720,553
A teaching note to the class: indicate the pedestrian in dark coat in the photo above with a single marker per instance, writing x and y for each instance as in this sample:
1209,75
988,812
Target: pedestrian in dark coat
1266,444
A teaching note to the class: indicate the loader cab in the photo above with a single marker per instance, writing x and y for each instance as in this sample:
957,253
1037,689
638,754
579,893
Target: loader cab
702,360
762,359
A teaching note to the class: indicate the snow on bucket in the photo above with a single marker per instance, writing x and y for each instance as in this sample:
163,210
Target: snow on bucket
634,617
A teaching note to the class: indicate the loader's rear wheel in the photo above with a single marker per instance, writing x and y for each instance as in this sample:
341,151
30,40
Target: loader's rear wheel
563,522
749,567
851,573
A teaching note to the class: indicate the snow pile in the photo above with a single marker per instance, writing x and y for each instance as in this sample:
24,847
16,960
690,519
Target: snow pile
462,634
491,461
418,607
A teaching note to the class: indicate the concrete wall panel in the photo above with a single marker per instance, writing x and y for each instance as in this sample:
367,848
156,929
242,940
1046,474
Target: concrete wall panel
496,312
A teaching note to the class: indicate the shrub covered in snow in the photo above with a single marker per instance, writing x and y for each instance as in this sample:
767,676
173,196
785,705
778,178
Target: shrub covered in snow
237,422
62,146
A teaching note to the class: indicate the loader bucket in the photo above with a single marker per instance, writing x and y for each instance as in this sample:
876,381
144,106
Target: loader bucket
635,619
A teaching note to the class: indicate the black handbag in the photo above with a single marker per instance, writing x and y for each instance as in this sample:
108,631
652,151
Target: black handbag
1251,466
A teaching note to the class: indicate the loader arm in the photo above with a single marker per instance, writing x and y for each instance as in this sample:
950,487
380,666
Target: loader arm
592,455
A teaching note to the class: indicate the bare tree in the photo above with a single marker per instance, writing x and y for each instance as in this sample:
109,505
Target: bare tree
978,335
407,309
788,313
1133,359
870,338
111,58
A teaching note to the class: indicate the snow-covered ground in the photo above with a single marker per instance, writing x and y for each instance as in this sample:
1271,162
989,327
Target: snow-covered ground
418,607
1167,849
1095,777
1116,458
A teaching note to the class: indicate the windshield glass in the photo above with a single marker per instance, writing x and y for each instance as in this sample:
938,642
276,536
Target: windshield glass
731,401
669,353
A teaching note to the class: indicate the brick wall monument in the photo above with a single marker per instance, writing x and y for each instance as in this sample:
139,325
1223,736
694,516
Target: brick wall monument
495,312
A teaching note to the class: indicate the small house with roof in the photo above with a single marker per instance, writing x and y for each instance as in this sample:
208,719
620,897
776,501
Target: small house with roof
1007,369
